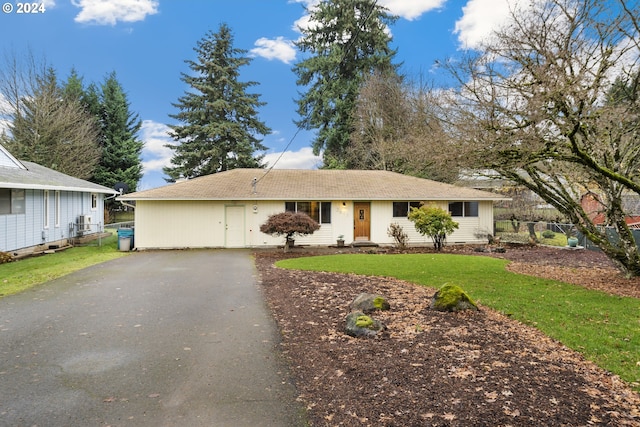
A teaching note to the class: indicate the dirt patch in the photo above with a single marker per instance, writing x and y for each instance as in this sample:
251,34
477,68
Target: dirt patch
435,369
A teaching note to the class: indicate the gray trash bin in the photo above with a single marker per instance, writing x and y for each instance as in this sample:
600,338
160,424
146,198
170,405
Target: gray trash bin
124,244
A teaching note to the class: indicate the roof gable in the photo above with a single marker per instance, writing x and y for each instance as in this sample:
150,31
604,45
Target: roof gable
299,184
8,161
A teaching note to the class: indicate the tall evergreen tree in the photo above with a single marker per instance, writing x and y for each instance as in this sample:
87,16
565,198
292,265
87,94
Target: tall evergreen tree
91,100
89,97
219,120
73,88
121,148
347,40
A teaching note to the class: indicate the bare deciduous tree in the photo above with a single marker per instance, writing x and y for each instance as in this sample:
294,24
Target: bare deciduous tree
397,129
533,105
43,126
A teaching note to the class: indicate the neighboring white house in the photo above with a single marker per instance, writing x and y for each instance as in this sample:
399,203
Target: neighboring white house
226,209
42,208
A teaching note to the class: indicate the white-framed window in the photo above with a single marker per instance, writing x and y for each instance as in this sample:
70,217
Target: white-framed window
463,208
94,201
12,201
402,209
57,209
319,211
45,208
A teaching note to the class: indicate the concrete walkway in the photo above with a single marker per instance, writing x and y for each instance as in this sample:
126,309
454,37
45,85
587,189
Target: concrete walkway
167,338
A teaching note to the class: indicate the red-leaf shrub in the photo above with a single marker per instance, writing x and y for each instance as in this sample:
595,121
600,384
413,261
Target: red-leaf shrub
289,224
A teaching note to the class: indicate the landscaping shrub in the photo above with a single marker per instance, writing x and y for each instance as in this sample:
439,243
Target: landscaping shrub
434,222
548,234
399,236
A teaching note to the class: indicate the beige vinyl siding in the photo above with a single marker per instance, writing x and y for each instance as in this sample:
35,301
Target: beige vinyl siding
474,229
382,217
258,216
324,236
202,224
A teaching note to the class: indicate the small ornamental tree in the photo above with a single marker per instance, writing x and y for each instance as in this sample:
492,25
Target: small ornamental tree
289,224
434,222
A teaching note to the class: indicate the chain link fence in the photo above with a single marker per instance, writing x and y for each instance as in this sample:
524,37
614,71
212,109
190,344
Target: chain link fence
549,233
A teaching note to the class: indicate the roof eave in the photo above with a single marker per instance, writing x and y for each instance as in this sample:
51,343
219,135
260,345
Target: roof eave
311,199
56,187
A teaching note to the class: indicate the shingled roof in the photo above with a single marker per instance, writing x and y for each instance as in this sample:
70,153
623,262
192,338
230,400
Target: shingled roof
34,176
304,184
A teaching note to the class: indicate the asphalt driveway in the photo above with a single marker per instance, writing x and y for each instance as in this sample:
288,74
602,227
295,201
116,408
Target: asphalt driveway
167,338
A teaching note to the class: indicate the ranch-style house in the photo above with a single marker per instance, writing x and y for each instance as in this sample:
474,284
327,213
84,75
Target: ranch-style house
226,209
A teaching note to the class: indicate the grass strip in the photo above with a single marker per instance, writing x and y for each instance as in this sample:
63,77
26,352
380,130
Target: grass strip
26,273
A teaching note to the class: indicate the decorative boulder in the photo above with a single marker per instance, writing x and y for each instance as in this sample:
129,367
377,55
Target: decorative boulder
368,303
359,324
452,298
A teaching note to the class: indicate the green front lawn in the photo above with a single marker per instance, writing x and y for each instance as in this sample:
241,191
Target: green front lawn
20,275
605,328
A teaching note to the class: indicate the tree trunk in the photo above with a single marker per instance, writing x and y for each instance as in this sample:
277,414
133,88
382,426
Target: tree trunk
531,226
288,243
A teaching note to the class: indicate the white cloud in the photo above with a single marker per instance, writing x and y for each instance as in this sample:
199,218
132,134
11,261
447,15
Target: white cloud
154,153
301,159
406,9
480,18
5,114
4,126
301,24
279,48
413,9
109,12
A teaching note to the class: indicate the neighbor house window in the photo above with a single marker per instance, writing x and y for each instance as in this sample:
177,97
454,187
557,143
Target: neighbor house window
319,211
402,209
57,209
45,208
463,208
12,201
94,201
5,201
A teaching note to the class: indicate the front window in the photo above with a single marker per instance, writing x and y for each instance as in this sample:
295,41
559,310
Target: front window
318,211
94,201
463,208
402,209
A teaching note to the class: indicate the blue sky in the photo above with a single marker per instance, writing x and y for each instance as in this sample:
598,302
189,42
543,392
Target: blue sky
147,41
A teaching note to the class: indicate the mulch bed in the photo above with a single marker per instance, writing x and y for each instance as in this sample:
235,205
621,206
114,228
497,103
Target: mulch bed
441,369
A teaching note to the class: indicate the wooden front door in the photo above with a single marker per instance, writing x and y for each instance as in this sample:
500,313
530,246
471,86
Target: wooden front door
361,221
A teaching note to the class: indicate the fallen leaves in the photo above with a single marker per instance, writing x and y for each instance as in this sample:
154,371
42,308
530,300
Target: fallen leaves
463,369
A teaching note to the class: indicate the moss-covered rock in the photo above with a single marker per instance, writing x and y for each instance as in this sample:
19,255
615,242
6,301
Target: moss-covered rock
369,303
452,298
359,324
364,321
